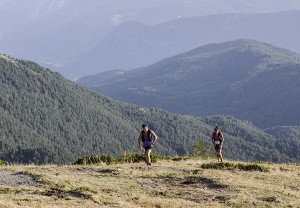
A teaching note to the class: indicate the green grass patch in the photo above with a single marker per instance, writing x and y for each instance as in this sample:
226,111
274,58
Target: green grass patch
110,159
95,159
2,162
232,166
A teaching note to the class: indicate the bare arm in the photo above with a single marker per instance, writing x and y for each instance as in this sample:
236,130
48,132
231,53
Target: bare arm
222,137
140,140
154,136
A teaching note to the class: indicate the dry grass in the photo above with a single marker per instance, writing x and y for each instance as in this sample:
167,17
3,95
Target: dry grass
166,184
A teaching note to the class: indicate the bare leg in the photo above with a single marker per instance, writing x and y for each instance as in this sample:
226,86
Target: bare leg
219,155
148,159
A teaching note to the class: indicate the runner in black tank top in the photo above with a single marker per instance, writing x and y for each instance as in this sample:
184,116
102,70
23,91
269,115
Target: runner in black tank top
217,140
146,140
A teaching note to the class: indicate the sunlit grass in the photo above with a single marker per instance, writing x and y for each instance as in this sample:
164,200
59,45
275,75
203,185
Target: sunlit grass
168,183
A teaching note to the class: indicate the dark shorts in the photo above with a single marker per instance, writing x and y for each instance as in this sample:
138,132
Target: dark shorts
218,146
147,145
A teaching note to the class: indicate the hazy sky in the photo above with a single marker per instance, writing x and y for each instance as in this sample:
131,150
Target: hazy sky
58,32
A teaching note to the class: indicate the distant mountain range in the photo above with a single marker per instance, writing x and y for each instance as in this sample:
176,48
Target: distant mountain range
45,118
248,79
80,38
133,45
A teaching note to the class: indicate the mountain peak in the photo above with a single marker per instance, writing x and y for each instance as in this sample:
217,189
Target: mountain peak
245,74
241,45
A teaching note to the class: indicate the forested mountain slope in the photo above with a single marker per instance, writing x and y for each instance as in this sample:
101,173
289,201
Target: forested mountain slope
248,79
287,139
45,118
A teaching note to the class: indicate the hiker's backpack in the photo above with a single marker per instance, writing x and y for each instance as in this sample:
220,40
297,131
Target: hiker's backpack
148,136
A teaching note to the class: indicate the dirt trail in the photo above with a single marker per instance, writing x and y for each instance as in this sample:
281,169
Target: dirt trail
8,178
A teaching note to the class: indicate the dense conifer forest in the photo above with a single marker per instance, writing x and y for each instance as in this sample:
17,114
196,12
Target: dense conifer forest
45,118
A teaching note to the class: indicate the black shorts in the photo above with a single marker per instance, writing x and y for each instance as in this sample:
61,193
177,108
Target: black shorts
218,146
148,147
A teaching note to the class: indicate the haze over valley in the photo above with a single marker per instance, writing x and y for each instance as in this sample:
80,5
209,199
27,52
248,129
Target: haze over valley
79,38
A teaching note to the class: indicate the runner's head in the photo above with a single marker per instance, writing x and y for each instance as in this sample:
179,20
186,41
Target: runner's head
216,129
145,127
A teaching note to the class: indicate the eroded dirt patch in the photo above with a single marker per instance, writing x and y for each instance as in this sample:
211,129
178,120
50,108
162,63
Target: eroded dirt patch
61,193
196,189
8,178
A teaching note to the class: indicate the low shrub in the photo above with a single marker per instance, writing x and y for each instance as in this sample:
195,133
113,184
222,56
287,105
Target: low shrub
94,159
219,166
180,158
128,158
2,162
231,166
139,157
255,167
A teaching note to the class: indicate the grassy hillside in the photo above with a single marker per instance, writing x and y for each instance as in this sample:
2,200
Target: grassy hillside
168,183
48,119
250,80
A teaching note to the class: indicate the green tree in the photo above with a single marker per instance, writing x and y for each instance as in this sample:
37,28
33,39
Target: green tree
201,149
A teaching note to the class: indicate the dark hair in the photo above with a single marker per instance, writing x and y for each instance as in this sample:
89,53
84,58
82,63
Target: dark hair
144,125
216,128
